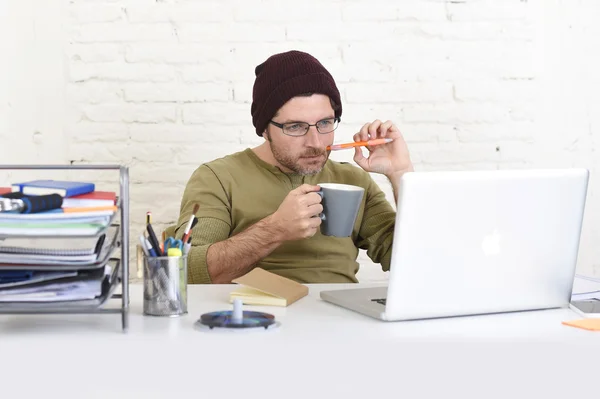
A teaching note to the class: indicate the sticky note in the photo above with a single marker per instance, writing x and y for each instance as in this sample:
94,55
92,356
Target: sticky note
586,324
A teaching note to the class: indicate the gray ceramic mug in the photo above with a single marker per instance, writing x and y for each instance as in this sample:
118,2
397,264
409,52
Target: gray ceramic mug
341,203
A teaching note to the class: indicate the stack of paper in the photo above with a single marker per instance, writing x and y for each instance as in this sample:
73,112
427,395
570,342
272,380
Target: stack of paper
55,222
56,286
53,251
69,220
54,269
59,255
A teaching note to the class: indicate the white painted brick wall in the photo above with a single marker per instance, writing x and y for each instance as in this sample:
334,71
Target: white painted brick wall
164,86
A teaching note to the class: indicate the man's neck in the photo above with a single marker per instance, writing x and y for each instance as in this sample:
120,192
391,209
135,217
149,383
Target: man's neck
263,151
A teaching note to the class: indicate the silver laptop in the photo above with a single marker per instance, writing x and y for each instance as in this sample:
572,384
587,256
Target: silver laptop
478,242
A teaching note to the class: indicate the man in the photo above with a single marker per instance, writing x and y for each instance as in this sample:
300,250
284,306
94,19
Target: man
257,207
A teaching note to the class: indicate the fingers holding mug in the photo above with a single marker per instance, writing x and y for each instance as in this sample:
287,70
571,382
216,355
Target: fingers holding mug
316,210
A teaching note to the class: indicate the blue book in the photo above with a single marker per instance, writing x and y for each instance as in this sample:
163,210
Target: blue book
61,187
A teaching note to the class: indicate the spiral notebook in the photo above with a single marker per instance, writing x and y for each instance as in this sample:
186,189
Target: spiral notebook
53,248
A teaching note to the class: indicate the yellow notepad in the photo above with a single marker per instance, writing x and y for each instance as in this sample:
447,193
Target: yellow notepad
260,287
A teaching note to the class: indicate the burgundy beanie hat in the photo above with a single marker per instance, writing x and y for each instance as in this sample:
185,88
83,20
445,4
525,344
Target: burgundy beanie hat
286,75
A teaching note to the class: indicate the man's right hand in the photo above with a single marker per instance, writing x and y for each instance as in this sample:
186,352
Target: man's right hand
298,215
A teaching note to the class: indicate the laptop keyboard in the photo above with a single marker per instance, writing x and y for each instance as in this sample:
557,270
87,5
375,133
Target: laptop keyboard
380,301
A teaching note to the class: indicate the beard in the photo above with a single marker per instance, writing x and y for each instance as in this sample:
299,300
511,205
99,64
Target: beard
299,164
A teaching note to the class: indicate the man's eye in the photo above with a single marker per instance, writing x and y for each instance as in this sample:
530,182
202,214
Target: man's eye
325,123
293,127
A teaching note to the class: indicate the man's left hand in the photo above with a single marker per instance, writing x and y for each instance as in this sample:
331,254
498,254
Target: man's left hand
389,159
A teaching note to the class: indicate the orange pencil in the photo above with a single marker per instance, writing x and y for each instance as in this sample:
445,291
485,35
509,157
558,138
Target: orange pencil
359,143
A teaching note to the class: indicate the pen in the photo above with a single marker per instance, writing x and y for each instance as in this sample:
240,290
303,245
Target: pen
148,217
153,239
151,250
334,147
144,248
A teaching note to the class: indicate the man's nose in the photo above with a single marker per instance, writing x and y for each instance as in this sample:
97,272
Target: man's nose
313,137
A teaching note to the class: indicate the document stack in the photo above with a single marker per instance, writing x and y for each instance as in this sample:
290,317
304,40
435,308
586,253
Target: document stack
57,244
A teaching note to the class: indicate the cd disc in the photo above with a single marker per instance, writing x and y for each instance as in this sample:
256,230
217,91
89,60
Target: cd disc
226,319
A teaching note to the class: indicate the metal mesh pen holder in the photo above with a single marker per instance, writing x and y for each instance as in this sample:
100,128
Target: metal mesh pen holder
165,285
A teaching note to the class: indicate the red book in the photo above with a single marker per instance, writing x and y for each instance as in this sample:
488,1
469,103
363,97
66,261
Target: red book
93,199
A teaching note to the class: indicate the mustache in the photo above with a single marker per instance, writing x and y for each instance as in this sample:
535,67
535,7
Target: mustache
314,152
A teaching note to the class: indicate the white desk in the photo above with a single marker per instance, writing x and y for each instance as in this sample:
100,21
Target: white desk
320,350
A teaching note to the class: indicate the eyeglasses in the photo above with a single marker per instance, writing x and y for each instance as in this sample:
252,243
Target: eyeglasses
301,128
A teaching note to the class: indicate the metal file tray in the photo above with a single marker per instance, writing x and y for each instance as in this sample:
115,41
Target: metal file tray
119,221
104,255
109,286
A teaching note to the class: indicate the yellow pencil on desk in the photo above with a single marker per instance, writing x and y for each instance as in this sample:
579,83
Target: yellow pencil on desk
368,143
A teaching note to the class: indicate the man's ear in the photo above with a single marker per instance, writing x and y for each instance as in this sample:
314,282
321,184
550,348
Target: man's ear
266,136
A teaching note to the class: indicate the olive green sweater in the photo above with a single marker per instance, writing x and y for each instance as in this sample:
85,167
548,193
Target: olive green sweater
238,190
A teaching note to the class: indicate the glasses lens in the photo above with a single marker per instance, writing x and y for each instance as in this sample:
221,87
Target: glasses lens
295,129
327,125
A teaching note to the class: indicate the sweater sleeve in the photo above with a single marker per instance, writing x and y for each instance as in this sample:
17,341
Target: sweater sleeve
205,189
377,228
214,219
204,234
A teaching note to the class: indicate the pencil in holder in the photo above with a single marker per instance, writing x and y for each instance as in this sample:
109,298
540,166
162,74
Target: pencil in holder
165,285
